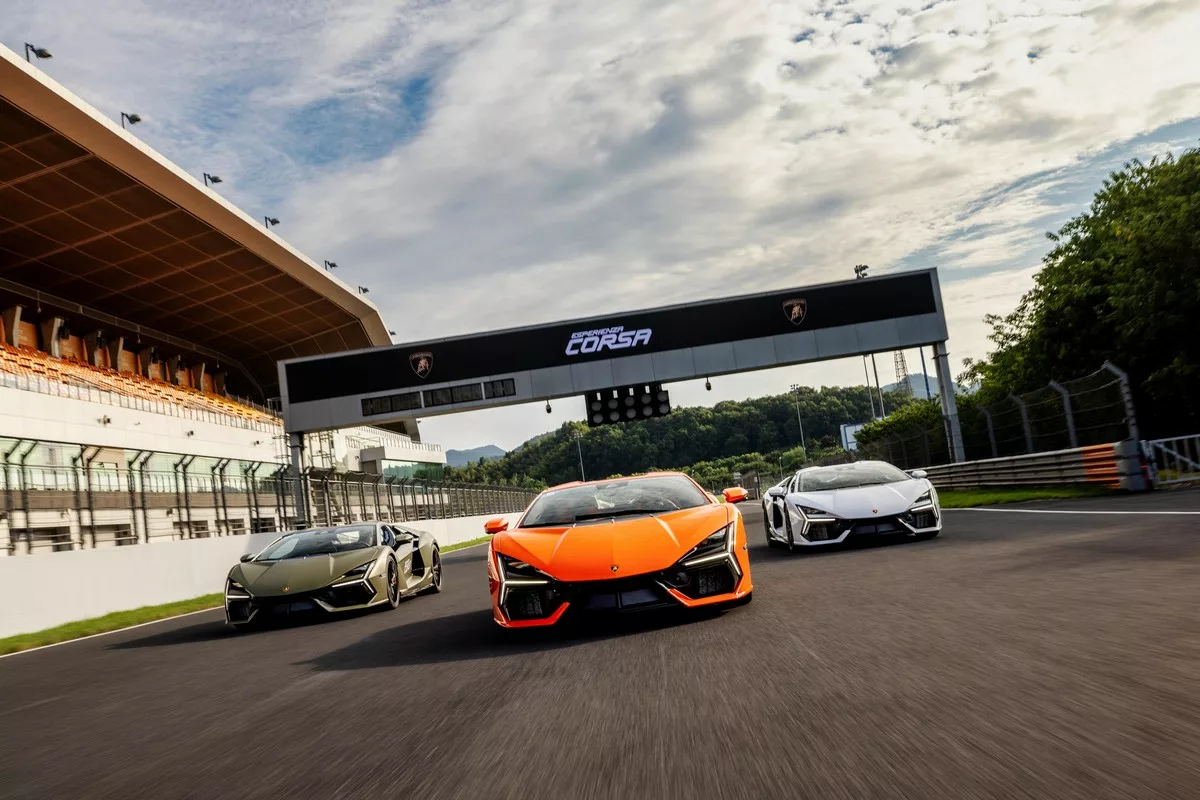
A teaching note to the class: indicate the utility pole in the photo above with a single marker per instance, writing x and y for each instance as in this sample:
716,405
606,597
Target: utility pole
579,449
796,394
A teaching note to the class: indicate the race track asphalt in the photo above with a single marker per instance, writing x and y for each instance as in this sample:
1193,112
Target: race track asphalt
1017,656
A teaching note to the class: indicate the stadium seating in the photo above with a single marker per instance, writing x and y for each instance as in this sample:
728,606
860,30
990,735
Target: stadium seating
36,365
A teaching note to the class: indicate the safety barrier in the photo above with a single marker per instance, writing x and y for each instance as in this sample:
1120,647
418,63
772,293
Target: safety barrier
1175,460
1117,465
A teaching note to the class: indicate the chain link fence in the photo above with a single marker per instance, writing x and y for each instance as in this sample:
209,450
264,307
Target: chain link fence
90,497
1094,409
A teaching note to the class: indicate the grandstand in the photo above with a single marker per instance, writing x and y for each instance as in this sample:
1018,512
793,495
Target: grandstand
141,319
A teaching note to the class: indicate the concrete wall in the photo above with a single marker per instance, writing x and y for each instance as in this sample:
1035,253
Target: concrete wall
46,417
42,590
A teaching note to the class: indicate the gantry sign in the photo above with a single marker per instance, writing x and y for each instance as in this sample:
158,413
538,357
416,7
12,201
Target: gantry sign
648,347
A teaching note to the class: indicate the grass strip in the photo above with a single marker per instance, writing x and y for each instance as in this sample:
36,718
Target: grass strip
109,622
968,498
450,548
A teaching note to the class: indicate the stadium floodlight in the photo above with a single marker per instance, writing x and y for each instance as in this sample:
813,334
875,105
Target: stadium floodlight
40,52
133,119
211,179
363,290
329,265
269,221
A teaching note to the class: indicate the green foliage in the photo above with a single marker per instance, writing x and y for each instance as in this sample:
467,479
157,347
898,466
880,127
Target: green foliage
751,435
1122,283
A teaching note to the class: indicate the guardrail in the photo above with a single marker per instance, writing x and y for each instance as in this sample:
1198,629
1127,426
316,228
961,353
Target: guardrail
1175,460
1117,465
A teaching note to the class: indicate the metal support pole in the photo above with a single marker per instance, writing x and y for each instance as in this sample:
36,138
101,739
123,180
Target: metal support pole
1127,397
954,440
224,502
133,509
1024,421
870,396
8,504
987,416
878,388
925,374
375,489
362,494
91,498
403,499
25,497
252,479
187,494
1067,412
328,499
178,497
579,449
388,481
296,446
142,480
75,459
216,502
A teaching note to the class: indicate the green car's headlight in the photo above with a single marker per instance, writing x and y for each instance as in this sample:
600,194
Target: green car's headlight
359,571
235,591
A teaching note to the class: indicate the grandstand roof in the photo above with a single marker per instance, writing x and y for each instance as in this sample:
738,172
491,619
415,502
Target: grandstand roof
92,216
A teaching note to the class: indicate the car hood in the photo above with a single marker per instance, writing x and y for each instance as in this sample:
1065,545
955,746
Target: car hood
864,501
265,578
634,545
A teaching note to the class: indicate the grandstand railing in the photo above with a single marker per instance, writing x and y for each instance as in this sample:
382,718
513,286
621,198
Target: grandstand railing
86,505
91,394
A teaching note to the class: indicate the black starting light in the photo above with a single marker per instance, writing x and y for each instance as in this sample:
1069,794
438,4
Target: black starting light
627,404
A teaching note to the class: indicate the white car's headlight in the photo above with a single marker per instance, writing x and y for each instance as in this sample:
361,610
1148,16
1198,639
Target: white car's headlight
922,503
811,513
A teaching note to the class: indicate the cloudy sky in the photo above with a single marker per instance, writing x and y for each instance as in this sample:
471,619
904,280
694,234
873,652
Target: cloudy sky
486,163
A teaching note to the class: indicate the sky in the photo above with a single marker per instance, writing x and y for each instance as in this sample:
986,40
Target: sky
482,164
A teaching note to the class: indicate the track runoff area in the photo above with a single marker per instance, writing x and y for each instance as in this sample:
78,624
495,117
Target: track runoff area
1017,655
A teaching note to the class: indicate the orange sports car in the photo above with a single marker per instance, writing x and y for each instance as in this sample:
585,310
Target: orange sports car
625,544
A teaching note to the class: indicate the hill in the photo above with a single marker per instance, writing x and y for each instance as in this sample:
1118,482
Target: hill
758,431
460,458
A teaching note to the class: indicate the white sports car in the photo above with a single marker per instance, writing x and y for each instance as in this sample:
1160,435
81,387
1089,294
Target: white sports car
827,505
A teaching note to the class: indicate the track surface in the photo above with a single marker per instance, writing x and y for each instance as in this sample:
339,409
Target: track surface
1019,655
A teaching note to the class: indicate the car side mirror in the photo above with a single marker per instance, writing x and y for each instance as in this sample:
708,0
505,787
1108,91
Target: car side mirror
735,494
494,526
246,557
776,491
918,473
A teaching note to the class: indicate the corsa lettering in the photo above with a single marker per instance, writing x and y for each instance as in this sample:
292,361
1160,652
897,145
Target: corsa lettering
615,338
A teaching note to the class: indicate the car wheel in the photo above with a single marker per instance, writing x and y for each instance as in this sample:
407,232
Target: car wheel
771,540
435,569
393,584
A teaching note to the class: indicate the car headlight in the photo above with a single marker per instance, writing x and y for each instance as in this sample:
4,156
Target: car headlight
922,503
359,571
813,514
520,573
235,591
713,547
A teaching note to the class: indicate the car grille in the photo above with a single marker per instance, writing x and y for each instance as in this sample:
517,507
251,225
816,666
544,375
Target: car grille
884,525
921,519
356,594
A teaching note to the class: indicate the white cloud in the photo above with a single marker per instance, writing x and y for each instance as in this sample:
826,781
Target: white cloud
580,158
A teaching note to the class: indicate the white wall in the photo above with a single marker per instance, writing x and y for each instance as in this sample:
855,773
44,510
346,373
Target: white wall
47,589
32,415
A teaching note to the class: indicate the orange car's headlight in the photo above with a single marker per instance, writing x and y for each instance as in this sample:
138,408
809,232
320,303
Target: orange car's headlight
714,547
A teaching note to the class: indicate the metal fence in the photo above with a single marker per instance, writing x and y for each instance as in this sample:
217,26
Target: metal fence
1175,460
1094,409
87,504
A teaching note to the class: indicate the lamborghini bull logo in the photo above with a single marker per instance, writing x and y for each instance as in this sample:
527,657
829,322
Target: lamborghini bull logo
795,310
422,363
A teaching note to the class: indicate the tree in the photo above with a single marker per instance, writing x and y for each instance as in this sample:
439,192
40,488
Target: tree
1121,283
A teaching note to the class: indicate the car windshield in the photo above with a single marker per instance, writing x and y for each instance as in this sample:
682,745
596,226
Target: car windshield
651,495
320,541
848,476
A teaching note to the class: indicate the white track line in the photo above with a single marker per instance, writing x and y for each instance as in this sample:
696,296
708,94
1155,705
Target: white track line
106,633
1063,511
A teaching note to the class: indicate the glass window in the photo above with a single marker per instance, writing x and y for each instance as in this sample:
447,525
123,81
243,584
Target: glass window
848,476
657,494
467,393
320,541
438,397
501,388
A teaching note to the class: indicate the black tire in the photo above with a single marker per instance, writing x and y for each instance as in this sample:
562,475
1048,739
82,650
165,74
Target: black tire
393,584
771,540
791,536
435,567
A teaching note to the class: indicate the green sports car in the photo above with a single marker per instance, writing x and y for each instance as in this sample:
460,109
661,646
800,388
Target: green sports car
329,570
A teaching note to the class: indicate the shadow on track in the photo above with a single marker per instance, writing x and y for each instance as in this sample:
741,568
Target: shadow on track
217,629
473,635
759,551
